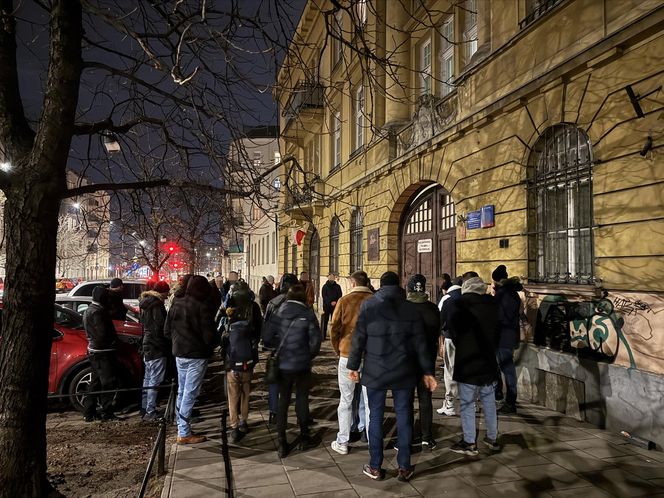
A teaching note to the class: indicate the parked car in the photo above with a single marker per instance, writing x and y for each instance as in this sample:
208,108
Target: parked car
69,369
63,285
132,289
81,303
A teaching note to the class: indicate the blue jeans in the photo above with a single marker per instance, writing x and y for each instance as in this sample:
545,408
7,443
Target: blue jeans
190,379
155,370
505,359
468,393
403,399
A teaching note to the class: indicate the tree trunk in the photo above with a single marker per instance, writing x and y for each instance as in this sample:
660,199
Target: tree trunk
31,220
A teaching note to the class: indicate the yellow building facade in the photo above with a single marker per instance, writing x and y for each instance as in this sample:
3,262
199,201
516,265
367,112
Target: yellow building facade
448,136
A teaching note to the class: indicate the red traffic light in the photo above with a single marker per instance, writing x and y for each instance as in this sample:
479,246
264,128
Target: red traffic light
171,248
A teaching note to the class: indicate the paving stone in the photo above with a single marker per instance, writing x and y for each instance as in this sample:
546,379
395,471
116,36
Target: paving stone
587,492
551,477
578,461
518,457
486,471
199,469
600,448
187,488
307,481
639,466
522,488
278,491
366,487
312,459
264,474
448,486
618,482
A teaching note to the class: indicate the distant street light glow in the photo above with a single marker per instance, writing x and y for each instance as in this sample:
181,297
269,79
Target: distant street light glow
6,167
77,205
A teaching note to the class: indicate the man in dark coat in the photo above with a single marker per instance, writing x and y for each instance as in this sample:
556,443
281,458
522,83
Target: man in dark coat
118,310
474,323
331,293
431,320
230,280
156,348
452,293
389,337
509,311
102,343
266,293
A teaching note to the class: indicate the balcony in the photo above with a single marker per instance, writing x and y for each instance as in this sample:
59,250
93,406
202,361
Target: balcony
537,10
302,202
304,105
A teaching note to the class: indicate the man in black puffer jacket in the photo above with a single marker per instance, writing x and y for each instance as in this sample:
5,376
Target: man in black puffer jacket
431,320
389,337
156,348
102,343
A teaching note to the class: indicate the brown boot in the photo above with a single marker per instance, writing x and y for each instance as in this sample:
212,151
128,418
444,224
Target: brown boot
192,439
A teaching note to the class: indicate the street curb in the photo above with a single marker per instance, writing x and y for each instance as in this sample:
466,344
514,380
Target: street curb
168,480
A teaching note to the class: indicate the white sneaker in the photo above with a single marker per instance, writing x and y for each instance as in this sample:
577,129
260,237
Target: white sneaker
446,409
342,449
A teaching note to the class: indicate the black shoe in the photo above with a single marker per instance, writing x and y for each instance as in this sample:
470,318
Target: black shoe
272,421
507,409
363,437
492,444
375,474
236,435
465,448
91,418
282,449
429,443
354,437
311,421
244,428
109,417
405,475
499,396
306,443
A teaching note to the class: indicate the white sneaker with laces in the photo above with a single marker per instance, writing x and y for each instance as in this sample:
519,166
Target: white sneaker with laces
446,409
342,449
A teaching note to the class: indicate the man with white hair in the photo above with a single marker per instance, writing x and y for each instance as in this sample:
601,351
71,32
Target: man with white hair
474,322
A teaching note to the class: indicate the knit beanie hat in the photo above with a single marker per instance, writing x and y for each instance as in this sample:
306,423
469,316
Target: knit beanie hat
162,287
474,285
417,283
115,283
389,278
500,273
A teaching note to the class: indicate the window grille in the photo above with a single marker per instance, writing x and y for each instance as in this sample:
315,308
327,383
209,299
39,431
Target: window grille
560,205
447,212
334,246
337,45
359,117
536,9
425,67
421,219
356,240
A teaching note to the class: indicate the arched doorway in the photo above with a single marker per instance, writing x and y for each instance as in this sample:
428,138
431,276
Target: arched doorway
427,236
314,261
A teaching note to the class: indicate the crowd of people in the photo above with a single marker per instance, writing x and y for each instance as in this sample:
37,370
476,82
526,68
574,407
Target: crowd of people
385,340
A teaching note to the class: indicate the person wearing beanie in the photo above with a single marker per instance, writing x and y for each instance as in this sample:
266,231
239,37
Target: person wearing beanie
474,321
447,351
156,348
509,309
102,343
430,316
390,344
118,309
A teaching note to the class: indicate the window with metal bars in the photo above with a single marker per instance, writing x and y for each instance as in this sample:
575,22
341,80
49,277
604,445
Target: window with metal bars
334,246
356,240
447,212
421,219
560,206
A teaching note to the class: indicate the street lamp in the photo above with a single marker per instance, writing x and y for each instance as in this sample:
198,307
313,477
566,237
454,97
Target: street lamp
6,167
110,142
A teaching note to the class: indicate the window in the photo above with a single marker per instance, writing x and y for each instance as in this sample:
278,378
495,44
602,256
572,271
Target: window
294,259
273,245
420,220
447,56
337,36
425,67
277,158
536,9
356,240
470,28
336,139
312,155
359,108
361,12
447,212
334,246
286,254
560,205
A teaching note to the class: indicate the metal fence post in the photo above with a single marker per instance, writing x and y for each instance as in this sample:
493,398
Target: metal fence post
161,455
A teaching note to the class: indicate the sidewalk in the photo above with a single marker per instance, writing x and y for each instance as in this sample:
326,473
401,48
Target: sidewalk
545,454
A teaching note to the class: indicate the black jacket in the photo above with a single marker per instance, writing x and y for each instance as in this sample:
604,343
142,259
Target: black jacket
331,291
265,294
293,329
509,308
474,319
252,339
390,337
454,293
153,318
118,310
431,320
190,327
99,329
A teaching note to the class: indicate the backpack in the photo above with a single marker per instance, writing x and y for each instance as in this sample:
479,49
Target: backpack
240,348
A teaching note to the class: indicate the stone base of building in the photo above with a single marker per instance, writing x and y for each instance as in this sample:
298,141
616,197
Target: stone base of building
609,396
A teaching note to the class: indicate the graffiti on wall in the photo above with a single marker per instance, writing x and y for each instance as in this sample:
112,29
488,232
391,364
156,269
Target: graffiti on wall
619,328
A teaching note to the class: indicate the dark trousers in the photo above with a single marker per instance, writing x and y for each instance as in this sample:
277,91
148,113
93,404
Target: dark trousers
426,411
324,320
104,378
273,397
506,363
403,407
302,381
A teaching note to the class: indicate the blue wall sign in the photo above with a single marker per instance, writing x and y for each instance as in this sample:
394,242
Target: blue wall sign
488,218
473,220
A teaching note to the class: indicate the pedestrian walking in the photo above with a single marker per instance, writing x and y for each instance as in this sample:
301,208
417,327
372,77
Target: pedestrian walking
242,333
509,310
294,331
287,280
342,324
118,310
156,348
430,316
308,288
448,351
389,338
474,322
230,280
331,293
266,293
190,326
102,343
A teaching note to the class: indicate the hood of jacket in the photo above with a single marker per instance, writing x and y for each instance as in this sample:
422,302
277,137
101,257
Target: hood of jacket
293,309
361,288
474,285
148,299
512,283
417,297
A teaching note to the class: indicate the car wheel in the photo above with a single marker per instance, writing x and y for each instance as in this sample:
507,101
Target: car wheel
78,387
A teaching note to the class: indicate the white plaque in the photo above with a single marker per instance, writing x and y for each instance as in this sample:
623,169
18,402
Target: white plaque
424,245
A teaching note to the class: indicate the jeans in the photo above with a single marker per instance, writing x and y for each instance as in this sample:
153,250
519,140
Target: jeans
190,379
403,409
346,399
155,370
302,381
103,378
238,386
273,397
468,393
448,372
324,320
426,411
505,357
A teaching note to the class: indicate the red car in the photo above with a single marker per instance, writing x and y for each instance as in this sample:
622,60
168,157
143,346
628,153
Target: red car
69,370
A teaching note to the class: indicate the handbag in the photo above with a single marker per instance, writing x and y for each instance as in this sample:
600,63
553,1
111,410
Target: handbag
272,371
